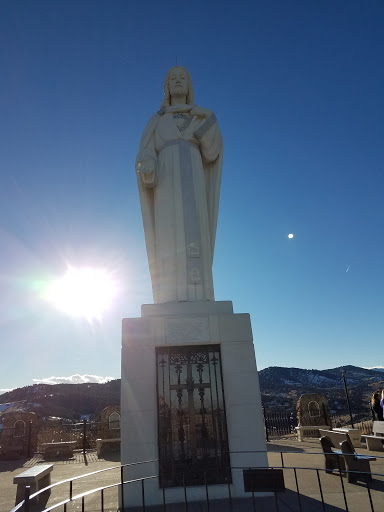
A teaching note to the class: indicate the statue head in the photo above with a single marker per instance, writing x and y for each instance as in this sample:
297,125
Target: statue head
173,75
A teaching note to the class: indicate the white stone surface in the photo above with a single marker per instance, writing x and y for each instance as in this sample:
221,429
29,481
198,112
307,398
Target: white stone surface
179,175
241,389
192,330
197,308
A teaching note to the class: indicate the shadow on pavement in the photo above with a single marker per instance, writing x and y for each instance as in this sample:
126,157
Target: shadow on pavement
11,465
283,448
289,502
112,456
284,502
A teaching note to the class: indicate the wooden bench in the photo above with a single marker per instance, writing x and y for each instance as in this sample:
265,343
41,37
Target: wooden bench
105,445
333,458
335,437
350,460
310,430
375,442
60,449
356,463
353,433
37,478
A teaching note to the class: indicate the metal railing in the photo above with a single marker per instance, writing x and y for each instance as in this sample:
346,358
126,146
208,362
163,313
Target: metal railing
278,424
296,500
28,441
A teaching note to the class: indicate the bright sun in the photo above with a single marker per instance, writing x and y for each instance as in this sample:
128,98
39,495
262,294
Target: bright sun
84,292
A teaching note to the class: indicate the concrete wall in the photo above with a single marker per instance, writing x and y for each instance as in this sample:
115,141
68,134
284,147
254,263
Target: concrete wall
189,323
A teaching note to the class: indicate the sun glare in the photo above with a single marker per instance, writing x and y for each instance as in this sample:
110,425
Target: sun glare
83,292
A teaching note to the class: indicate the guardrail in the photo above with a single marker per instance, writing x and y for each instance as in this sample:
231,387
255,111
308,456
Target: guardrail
297,500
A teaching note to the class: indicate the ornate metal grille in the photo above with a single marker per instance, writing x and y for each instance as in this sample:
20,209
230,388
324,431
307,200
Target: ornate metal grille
193,440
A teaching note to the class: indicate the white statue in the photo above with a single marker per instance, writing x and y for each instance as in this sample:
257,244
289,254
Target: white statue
179,173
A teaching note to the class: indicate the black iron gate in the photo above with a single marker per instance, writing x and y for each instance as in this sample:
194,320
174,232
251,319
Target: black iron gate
192,437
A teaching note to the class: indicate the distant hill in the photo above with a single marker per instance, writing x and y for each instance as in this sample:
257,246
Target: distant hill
65,400
280,389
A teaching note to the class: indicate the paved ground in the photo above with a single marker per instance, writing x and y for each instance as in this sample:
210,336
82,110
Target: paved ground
299,455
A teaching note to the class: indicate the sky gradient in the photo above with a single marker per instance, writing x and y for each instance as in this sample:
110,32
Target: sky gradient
297,88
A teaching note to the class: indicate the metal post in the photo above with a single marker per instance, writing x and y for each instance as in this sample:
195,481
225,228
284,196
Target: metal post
84,434
297,489
347,395
206,491
143,493
185,493
325,417
26,498
122,486
265,424
29,438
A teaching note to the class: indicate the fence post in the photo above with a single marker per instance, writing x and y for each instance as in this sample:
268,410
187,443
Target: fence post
27,493
265,424
84,435
29,438
325,417
347,396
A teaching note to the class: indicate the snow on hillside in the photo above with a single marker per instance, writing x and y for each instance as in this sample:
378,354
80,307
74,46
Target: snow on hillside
4,407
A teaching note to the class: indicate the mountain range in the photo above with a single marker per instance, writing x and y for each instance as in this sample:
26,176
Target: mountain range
280,389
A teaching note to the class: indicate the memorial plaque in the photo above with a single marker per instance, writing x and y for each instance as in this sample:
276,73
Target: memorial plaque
187,330
263,480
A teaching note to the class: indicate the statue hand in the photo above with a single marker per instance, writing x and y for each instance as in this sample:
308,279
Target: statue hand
146,167
200,112
147,171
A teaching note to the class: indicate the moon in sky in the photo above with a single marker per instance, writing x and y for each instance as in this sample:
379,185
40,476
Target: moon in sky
83,292
290,235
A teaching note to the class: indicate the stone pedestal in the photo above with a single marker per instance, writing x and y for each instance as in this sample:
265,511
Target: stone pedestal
176,324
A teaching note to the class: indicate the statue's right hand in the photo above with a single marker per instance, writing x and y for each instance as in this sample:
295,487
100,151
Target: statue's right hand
146,167
147,171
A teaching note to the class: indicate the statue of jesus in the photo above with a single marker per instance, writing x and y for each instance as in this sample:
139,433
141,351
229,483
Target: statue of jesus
179,174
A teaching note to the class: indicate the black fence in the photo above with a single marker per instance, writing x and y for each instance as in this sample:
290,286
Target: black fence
278,424
28,438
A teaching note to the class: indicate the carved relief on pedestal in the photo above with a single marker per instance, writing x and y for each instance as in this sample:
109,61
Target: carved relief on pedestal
187,330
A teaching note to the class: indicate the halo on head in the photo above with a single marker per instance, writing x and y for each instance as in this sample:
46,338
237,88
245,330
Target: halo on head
167,96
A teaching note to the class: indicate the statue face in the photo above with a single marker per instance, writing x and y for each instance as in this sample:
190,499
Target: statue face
178,83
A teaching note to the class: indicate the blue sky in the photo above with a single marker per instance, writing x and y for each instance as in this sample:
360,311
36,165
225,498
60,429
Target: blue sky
297,88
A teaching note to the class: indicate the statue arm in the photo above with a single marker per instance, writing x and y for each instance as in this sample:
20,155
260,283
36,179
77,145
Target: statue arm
211,142
146,161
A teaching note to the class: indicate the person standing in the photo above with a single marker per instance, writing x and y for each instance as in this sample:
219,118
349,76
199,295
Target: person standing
377,406
382,404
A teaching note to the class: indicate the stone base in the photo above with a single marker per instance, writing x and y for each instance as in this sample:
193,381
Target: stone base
188,323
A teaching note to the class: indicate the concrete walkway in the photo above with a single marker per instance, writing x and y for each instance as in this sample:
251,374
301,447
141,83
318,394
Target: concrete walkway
299,455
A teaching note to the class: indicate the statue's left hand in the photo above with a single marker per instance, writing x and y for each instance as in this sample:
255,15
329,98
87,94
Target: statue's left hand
200,112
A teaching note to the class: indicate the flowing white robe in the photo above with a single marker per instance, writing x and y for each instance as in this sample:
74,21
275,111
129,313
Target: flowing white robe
180,205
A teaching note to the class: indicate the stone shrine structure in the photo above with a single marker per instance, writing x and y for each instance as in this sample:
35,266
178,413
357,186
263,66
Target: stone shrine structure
108,430
19,433
313,409
190,398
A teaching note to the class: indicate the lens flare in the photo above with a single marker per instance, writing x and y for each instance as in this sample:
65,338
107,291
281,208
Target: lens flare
83,292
